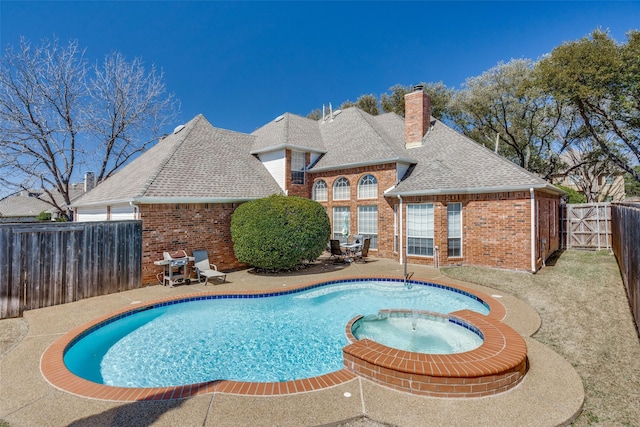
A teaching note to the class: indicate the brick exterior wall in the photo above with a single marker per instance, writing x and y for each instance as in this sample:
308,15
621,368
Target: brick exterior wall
386,176
302,190
171,227
496,227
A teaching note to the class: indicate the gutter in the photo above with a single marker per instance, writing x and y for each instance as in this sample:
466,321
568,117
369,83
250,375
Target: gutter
365,163
285,146
533,230
478,190
400,236
163,200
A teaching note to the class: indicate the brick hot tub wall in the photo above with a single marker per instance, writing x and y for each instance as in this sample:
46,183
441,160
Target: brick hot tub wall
499,364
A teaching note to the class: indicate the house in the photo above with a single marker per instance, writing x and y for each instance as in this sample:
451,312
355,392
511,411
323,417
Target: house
25,206
421,191
603,187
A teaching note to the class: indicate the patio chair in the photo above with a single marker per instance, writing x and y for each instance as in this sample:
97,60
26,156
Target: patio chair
336,251
205,269
364,253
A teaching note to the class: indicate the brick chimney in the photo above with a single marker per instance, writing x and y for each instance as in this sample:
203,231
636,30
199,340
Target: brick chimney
89,181
417,116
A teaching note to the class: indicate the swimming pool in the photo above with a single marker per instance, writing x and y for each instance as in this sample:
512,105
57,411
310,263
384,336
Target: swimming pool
273,337
497,365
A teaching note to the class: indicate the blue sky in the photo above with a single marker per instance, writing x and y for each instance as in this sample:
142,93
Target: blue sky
241,64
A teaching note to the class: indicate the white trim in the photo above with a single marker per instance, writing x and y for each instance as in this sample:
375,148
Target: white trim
400,234
533,230
480,190
166,200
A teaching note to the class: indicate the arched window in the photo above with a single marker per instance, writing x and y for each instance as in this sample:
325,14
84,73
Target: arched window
341,189
368,187
320,191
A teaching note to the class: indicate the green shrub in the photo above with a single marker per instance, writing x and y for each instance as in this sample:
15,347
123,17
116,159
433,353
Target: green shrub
574,196
43,216
279,232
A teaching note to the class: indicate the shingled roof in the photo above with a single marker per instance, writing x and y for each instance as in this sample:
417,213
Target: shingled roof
198,163
347,138
451,163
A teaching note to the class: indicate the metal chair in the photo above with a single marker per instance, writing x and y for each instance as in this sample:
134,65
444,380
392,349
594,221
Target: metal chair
336,251
205,269
364,253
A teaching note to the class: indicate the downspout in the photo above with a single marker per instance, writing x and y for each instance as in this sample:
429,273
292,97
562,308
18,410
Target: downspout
533,230
136,210
400,232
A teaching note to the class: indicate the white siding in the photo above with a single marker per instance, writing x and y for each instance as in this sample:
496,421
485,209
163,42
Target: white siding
91,214
122,212
401,169
275,162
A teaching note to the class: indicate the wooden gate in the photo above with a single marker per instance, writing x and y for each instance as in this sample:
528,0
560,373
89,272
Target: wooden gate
586,226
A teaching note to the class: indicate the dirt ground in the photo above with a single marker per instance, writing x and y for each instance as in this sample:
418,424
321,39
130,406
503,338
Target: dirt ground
586,318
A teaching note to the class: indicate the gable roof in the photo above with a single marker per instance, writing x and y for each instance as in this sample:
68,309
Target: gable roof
23,206
30,203
351,137
198,163
451,163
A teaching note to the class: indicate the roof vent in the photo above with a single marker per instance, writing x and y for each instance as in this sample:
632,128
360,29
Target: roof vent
178,128
277,119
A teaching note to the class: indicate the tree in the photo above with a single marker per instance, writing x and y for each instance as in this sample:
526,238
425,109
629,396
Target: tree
394,102
631,186
503,110
367,103
439,94
59,115
587,166
279,232
601,79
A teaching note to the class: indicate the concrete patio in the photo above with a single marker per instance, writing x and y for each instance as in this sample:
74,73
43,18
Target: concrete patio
551,393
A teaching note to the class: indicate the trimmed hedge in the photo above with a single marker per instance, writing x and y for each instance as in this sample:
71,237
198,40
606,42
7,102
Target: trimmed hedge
279,232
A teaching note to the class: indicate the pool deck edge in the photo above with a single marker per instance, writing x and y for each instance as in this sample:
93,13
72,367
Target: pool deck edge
28,399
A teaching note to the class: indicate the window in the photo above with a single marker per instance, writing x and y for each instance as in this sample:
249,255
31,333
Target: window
420,229
368,224
368,187
320,191
341,189
454,229
609,180
341,222
297,167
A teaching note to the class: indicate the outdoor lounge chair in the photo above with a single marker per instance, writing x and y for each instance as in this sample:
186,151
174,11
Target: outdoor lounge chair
364,253
336,251
205,269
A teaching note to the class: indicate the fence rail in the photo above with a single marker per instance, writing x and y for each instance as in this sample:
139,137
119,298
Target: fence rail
586,226
45,264
626,235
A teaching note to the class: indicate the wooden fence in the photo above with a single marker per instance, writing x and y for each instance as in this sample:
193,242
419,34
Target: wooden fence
45,264
626,247
586,226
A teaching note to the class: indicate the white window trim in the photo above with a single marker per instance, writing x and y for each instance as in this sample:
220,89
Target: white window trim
457,237
432,231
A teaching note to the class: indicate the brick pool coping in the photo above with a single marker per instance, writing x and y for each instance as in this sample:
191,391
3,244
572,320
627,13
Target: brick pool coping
56,373
497,365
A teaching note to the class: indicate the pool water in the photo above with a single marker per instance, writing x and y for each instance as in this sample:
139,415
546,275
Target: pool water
260,339
418,333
